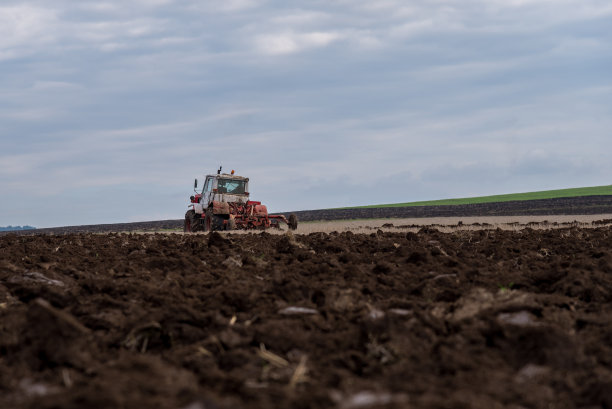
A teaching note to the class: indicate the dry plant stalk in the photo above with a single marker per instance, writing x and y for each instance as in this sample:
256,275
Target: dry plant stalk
66,378
271,357
299,375
204,351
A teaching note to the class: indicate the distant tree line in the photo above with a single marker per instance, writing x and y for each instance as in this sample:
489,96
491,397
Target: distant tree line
13,228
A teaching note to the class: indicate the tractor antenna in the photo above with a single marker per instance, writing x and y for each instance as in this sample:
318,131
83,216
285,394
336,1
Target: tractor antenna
219,171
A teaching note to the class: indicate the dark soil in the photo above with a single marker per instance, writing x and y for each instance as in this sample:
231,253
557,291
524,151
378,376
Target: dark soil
486,319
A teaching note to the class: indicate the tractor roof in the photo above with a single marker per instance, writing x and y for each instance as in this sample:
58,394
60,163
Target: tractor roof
228,176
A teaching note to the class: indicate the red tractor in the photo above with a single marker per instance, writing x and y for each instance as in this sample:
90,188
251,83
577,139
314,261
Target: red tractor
223,204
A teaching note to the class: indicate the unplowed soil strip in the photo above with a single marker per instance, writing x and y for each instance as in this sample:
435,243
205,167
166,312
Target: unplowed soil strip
450,224
471,319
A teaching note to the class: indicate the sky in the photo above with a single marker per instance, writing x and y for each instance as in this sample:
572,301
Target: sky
110,109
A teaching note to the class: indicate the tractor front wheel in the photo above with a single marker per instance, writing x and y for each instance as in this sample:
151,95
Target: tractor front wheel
208,220
192,222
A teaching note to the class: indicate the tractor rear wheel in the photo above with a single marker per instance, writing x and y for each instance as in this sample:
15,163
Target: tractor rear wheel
293,222
213,222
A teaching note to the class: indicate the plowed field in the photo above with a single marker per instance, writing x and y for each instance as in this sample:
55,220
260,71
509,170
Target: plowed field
470,319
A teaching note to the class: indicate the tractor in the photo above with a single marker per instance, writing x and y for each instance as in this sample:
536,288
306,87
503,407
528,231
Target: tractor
224,204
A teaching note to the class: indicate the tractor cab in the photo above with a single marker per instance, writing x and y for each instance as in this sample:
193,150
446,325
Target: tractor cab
223,187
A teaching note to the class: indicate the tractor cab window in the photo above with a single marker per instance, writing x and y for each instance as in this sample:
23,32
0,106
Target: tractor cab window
230,186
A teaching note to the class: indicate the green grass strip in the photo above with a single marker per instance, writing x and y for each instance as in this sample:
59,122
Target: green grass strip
546,194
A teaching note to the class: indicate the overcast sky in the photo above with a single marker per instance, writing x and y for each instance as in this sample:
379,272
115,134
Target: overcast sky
110,109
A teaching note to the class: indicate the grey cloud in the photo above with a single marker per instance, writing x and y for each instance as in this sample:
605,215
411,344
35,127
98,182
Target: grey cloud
314,100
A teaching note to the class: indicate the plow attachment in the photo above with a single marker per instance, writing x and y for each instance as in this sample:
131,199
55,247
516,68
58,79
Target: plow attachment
254,215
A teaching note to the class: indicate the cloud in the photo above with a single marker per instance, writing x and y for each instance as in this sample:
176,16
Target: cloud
23,27
224,7
289,43
293,18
